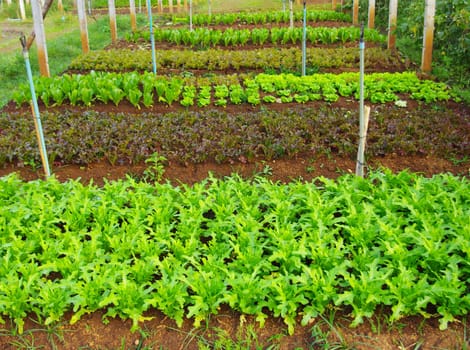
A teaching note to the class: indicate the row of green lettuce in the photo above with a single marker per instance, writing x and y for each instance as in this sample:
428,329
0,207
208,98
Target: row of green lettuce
273,59
394,241
149,89
205,37
222,136
261,18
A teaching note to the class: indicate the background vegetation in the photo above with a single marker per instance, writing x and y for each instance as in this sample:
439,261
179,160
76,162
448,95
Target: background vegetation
451,35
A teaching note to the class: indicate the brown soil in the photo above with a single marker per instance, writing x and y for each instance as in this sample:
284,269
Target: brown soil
161,333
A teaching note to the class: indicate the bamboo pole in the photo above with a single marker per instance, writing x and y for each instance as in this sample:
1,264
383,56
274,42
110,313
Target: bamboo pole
371,17
362,118
152,37
304,38
112,20
356,12
35,110
360,165
392,24
160,6
40,38
333,5
133,15
83,26
429,12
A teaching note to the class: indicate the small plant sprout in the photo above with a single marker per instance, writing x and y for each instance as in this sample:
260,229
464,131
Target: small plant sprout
156,169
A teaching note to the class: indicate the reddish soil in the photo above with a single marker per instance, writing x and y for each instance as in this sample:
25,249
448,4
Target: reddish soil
159,332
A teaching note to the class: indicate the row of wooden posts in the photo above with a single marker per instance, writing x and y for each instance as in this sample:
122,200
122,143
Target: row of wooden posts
39,12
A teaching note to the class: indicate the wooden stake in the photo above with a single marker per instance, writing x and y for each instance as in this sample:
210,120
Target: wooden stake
428,38
291,15
32,36
40,38
371,17
356,12
83,25
392,24
160,6
170,6
112,20
133,15
60,7
22,10
333,5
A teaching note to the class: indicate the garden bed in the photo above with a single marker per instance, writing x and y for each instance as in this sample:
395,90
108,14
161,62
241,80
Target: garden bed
226,118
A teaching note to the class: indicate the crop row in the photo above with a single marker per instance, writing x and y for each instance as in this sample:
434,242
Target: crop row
205,38
198,136
283,59
149,89
266,17
399,241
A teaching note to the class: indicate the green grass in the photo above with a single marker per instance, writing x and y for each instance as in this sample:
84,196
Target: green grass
63,45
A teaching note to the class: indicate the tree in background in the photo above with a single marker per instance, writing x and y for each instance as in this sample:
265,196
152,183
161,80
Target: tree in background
451,35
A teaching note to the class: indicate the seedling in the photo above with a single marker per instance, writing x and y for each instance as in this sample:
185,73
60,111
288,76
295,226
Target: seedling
156,168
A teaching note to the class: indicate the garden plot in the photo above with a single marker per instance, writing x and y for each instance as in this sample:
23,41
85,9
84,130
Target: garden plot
286,265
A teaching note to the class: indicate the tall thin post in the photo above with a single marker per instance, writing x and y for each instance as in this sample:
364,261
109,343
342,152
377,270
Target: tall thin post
60,7
40,38
429,12
83,26
152,37
371,16
112,20
209,7
304,39
392,24
362,123
170,6
36,115
191,15
356,12
133,15
89,7
22,10
333,5
160,6
283,5
291,14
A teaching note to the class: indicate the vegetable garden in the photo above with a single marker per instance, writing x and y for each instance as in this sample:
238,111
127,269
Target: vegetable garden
213,205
